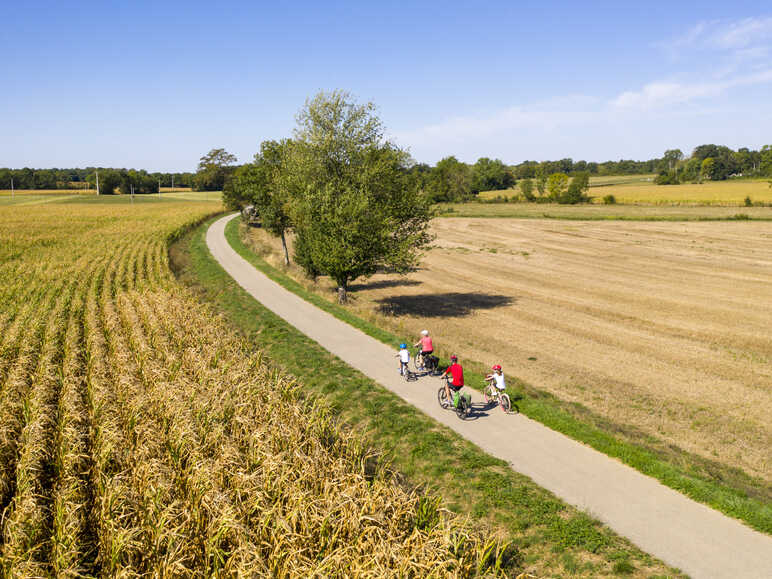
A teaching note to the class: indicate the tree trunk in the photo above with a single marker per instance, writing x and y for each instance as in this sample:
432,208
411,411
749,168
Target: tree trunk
342,295
284,245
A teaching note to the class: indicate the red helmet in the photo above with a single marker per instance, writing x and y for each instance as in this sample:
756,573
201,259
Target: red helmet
496,367
454,358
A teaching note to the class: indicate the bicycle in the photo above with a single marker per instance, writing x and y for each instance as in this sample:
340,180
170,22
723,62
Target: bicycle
493,394
422,364
462,403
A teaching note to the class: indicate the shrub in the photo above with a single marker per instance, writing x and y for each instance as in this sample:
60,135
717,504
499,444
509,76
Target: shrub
666,178
609,200
748,202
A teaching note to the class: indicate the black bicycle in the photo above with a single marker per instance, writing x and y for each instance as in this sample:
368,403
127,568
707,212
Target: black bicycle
461,402
424,363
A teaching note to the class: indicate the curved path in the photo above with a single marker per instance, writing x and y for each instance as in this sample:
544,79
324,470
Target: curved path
693,537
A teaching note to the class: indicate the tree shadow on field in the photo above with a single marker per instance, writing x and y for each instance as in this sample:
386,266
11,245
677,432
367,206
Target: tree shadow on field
383,284
450,305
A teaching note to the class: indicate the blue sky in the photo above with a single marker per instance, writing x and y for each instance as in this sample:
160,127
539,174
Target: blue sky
155,85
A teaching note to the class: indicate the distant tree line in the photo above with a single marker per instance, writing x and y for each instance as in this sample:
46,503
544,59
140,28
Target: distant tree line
110,179
713,163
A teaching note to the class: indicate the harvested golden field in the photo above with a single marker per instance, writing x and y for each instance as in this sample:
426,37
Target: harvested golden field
662,326
139,438
637,189
74,191
707,193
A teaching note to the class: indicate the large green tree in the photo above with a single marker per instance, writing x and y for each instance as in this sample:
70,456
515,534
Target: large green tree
214,169
490,174
357,207
450,180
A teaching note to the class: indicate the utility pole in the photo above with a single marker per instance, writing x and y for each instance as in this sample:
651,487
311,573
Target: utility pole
159,188
172,183
12,193
97,175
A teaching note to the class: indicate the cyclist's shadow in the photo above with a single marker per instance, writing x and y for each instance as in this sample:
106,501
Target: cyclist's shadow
478,410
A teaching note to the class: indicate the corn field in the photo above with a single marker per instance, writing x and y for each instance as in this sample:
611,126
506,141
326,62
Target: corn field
140,437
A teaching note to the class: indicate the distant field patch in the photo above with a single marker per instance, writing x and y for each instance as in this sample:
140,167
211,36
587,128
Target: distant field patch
16,192
175,189
710,193
638,212
606,180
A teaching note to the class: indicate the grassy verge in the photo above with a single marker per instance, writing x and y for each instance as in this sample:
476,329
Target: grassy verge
552,538
726,489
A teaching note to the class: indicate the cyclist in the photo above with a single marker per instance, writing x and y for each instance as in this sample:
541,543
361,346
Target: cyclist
404,358
427,348
497,378
457,372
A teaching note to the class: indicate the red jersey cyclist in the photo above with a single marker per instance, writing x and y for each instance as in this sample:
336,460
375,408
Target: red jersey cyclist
457,373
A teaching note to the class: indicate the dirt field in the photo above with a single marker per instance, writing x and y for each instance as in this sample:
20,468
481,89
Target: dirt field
663,326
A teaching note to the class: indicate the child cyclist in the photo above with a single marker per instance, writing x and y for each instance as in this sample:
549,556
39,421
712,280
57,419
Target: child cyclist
457,372
404,358
497,378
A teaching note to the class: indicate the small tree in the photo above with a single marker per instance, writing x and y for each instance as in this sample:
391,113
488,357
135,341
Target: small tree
577,190
262,184
557,185
541,180
356,205
707,168
526,187
214,169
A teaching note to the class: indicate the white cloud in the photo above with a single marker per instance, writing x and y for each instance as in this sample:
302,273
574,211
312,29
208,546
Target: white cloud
749,38
545,116
664,94
741,34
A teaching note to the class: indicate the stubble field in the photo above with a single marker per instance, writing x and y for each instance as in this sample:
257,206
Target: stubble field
635,189
664,327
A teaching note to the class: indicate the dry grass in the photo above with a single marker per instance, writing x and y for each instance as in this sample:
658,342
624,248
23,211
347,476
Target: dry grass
138,438
660,326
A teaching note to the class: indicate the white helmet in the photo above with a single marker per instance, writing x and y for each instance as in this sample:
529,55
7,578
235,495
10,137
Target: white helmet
424,332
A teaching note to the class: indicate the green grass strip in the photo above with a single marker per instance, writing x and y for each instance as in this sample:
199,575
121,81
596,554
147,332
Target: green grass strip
723,488
550,535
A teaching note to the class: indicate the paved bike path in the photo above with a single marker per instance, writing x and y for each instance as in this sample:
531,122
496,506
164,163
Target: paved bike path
685,534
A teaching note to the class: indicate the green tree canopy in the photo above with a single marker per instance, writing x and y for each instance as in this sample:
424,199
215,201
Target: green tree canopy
356,206
577,190
490,174
214,169
557,185
262,183
450,181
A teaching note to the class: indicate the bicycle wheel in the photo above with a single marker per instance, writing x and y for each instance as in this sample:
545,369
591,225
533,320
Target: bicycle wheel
506,405
488,394
442,398
464,409
418,362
